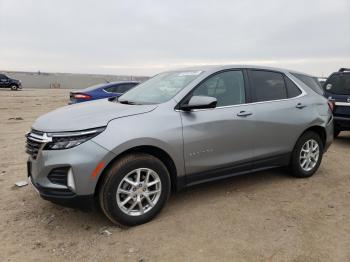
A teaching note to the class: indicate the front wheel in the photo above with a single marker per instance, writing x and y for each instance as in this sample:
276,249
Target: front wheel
134,189
307,155
14,88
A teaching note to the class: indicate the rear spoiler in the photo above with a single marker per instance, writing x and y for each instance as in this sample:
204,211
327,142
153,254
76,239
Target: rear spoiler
344,69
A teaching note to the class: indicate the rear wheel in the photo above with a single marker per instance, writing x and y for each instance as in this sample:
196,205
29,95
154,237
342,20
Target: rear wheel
307,155
134,189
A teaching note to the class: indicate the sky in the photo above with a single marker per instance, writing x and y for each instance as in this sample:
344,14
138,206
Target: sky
145,37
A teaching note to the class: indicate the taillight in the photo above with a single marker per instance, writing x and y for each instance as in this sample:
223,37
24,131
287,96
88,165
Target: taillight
331,105
81,96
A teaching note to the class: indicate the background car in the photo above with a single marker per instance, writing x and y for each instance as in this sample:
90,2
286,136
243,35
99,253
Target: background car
337,90
105,90
6,82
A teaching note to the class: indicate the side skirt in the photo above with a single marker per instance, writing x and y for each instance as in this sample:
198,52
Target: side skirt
240,169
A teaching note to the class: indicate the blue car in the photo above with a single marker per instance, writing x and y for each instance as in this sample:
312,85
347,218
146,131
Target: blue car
100,91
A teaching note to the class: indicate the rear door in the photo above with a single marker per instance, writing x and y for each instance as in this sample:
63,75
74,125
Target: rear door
279,114
219,139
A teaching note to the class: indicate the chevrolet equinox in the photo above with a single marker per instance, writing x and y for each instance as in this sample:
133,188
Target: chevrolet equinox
175,130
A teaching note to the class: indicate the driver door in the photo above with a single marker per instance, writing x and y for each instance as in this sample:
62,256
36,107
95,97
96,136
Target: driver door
218,141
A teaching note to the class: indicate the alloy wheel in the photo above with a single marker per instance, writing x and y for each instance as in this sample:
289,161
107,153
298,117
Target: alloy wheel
139,191
309,155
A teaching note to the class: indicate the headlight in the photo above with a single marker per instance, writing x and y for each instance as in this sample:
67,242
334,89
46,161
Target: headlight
65,140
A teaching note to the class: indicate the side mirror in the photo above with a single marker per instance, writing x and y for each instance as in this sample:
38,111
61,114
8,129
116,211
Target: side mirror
199,102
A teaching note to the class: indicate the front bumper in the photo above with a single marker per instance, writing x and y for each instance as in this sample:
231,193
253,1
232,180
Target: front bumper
64,197
81,161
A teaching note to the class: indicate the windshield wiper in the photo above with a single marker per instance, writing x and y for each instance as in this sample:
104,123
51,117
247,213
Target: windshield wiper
127,102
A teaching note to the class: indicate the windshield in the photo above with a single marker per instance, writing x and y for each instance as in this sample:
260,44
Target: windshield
159,88
339,84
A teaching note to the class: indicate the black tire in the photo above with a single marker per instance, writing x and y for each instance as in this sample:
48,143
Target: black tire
336,132
295,164
14,88
114,176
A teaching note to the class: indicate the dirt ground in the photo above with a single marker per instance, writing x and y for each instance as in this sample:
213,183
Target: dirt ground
267,216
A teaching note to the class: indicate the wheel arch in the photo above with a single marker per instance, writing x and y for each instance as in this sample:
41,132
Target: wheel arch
320,130
146,149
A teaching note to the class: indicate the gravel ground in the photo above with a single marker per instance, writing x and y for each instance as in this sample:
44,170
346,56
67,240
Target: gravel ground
267,216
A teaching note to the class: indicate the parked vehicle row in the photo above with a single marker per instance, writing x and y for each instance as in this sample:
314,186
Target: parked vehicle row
6,82
175,130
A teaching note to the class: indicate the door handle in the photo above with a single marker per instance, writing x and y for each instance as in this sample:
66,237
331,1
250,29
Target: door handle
300,106
244,114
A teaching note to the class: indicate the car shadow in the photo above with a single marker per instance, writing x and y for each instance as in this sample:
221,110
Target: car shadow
9,90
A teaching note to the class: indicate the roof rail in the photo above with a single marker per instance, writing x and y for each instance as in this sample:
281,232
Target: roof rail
344,69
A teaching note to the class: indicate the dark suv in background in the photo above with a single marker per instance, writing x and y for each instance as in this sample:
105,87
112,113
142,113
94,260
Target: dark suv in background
6,82
337,90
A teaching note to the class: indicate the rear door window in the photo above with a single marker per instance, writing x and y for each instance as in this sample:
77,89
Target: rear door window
125,87
338,84
311,82
110,89
120,88
267,85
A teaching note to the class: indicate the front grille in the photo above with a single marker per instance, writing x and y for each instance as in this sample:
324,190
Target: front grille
35,142
33,147
59,176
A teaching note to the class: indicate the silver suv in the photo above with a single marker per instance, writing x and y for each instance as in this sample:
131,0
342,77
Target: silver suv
175,130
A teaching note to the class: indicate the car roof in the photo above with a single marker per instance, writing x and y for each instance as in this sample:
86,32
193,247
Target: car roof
104,85
119,82
341,73
215,68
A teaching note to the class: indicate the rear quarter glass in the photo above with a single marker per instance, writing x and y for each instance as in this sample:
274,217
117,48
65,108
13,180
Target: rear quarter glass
311,82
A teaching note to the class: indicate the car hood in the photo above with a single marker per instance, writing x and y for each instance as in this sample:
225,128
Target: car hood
87,115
